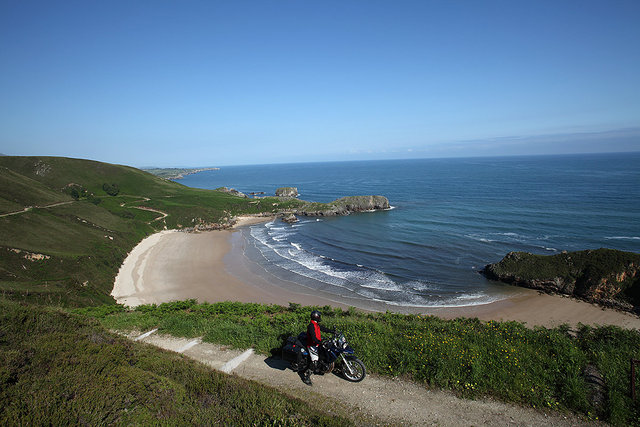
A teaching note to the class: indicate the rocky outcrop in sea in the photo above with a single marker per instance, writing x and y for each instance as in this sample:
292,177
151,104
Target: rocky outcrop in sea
287,192
345,206
232,191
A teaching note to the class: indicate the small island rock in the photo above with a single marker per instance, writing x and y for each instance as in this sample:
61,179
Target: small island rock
345,206
287,192
290,218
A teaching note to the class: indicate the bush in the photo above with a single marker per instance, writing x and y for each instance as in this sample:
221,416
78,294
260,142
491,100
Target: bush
111,189
75,190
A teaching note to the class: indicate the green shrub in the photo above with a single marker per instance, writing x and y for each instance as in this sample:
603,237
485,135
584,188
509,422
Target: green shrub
539,367
111,189
62,369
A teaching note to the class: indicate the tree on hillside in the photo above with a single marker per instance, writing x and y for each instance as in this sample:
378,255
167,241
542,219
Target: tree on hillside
111,189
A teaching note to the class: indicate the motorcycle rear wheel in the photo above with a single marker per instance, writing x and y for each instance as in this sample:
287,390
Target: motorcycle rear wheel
357,372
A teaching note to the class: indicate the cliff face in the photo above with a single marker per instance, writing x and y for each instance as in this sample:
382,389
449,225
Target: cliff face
345,206
605,276
287,192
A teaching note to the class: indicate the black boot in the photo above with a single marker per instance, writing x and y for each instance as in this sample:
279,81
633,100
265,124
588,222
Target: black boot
299,363
306,377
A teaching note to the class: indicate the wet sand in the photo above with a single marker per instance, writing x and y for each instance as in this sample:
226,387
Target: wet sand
173,265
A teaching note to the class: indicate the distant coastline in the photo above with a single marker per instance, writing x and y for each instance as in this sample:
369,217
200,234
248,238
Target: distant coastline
176,173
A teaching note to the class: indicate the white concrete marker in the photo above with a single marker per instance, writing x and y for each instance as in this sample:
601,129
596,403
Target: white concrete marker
236,361
188,345
146,334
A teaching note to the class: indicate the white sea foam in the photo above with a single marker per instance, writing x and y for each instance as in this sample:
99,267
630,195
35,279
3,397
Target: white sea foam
317,267
622,238
480,238
422,286
467,297
421,302
275,246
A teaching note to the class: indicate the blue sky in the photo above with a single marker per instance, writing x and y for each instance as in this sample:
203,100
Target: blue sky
211,83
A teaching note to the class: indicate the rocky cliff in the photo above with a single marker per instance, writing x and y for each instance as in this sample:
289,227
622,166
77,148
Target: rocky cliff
232,191
605,276
287,192
345,206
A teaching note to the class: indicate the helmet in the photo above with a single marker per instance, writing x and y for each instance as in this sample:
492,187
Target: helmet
315,315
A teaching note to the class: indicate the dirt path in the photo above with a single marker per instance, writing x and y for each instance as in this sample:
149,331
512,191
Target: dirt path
376,399
28,208
163,215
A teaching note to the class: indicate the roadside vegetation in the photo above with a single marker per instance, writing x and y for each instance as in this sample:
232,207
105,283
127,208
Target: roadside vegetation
540,367
63,369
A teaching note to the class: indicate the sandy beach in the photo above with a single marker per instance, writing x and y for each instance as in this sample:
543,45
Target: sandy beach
174,265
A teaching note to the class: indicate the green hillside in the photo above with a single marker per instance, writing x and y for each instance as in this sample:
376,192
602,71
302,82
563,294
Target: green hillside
66,225
58,172
19,191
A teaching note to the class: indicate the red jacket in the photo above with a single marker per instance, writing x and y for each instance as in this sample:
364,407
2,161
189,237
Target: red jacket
313,334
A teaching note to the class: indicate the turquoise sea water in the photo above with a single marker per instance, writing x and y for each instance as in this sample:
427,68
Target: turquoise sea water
450,217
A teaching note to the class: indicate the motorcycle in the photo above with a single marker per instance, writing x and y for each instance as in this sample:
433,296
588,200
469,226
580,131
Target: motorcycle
335,355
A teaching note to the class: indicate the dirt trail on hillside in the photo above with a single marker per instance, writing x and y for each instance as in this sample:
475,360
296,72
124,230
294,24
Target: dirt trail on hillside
29,208
375,400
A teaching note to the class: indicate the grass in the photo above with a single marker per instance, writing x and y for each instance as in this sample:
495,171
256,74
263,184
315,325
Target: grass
541,368
60,369
20,191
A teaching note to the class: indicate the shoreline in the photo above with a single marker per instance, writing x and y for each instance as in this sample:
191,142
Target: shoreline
174,265
210,266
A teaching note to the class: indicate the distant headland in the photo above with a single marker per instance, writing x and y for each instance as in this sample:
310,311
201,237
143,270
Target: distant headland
176,173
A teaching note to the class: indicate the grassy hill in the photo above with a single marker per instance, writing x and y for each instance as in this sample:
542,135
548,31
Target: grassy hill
82,218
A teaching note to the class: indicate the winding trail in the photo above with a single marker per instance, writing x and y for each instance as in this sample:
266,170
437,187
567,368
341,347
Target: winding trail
28,208
377,400
163,215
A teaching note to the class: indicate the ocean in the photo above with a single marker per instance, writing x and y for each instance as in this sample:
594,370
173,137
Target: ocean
450,217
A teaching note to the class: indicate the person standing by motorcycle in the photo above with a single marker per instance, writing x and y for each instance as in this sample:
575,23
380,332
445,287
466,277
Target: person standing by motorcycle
313,341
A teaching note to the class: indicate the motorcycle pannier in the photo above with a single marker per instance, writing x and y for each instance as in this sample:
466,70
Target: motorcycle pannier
291,349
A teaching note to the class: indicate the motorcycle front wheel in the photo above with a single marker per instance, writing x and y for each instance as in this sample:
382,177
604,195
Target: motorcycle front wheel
355,370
